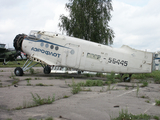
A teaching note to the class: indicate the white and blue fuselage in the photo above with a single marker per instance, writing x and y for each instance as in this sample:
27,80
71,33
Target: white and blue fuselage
59,50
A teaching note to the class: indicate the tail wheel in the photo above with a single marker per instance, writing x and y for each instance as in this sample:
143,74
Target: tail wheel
18,71
47,70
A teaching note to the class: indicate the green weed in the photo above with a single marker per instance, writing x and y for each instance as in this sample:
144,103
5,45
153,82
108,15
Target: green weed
15,82
157,79
145,84
111,77
28,79
88,90
147,101
31,70
40,84
88,75
8,119
40,101
100,75
156,117
157,102
65,96
139,76
13,77
0,84
102,90
89,83
137,90
126,88
49,118
124,115
109,85
75,88
28,83
37,78
13,64
94,83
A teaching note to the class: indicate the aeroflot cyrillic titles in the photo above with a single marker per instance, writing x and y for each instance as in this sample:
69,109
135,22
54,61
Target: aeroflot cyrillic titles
45,52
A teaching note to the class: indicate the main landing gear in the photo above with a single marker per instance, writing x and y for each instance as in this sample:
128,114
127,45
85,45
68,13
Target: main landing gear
20,71
126,79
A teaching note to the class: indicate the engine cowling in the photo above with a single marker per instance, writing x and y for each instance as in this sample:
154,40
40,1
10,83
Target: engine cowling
17,42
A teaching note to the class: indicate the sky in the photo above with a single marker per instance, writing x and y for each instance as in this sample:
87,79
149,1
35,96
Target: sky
136,23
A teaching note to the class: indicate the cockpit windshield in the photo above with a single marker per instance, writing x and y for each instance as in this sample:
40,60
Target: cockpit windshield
34,35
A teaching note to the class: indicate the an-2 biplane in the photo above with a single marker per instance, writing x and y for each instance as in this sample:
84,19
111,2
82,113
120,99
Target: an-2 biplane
51,49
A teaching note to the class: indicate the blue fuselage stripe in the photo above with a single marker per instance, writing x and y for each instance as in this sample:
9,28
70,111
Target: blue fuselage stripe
46,42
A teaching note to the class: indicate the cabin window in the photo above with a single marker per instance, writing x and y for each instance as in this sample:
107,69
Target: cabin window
51,46
56,48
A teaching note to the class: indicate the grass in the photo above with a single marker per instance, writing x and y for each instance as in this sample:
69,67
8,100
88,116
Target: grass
37,100
31,71
41,84
100,75
14,64
157,102
155,75
137,92
28,83
88,75
28,79
144,84
143,96
147,101
41,101
124,115
15,82
156,117
89,83
94,83
37,78
13,77
65,96
111,77
75,88
49,118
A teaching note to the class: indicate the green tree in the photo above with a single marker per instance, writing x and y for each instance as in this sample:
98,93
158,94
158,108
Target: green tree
88,19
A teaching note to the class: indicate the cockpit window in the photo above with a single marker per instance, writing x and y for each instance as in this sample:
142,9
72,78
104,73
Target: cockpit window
33,35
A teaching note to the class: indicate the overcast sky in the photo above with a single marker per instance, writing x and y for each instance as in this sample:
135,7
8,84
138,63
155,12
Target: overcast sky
136,23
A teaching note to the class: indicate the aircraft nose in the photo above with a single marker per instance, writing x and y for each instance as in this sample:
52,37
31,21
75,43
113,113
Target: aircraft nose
17,42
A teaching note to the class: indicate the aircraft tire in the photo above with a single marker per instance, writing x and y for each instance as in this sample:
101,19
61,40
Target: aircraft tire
18,71
127,79
79,72
47,70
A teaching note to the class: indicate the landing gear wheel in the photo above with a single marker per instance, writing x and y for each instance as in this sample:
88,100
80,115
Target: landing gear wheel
47,70
18,71
127,79
79,72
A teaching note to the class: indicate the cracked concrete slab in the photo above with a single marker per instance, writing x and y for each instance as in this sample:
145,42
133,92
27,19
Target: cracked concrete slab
96,104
